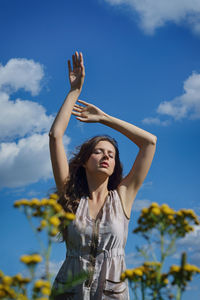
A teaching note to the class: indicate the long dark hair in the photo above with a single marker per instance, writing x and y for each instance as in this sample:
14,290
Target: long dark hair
76,185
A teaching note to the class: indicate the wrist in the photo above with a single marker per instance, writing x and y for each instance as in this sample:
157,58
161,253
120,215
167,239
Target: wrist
75,90
104,118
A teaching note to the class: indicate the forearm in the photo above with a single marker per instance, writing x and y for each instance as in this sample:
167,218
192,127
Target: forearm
139,136
62,119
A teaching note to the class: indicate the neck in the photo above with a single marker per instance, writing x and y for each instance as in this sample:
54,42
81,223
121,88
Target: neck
98,187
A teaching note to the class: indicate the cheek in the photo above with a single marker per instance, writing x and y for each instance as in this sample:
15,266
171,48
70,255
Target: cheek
91,161
113,165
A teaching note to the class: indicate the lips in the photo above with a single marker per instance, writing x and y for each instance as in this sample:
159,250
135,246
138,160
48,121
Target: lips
104,164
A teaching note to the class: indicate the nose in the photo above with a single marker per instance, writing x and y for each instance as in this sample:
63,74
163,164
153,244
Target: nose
105,155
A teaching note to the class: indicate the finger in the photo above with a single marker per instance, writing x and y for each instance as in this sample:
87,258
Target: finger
78,114
77,109
84,102
74,62
78,106
81,119
81,57
82,64
77,58
69,66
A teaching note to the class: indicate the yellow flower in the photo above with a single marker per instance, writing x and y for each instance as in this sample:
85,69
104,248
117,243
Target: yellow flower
42,298
165,281
41,283
154,204
70,216
31,259
34,201
20,279
44,201
188,228
156,211
191,268
129,273
54,221
168,211
8,291
36,258
25,259
7,280
54,231
21,202
179,213
38,284
51,202
54,196
138,272
46,291
57,207
174,268
145,210
43,223
164,206
21,297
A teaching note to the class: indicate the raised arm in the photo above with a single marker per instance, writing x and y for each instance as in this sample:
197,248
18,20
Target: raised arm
57,151
146,142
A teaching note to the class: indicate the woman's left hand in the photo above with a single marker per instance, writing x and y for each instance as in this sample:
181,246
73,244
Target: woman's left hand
88,113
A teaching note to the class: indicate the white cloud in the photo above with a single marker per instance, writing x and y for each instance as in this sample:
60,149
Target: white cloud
27,161
154,14
21,117
186,105
155,121
139,204
21,73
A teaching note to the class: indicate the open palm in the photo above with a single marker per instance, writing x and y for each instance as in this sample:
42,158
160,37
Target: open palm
88,113
77,74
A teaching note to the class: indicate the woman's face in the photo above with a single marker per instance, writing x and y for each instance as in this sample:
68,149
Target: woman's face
102,158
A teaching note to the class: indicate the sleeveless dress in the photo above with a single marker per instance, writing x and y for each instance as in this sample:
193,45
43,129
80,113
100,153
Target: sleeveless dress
96,245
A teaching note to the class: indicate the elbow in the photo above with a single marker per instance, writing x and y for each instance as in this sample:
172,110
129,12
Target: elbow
53,135
154,140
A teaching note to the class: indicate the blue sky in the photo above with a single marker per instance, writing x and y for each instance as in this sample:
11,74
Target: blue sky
142,65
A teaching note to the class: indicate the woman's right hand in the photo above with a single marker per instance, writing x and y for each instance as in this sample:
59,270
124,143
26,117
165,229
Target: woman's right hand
77,74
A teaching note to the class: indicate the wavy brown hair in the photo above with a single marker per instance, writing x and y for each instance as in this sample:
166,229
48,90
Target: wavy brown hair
76,185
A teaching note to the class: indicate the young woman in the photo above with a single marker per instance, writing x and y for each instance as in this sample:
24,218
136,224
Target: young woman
91,186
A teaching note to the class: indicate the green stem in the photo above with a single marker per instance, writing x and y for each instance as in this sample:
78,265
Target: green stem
47,259
143,290
36,233
178,294
134,290
162,247
171,245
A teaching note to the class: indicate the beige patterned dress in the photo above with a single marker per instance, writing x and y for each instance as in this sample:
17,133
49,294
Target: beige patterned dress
96,245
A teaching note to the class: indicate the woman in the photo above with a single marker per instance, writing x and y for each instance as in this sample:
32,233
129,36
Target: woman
91,186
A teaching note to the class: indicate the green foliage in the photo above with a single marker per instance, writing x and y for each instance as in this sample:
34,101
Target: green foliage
168,226
49,217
